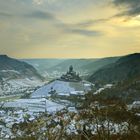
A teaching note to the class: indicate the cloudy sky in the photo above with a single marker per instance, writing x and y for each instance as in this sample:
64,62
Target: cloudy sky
69,28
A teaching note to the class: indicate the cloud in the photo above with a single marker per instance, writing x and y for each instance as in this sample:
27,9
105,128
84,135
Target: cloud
5,14
79,28
131,7
83,32
126,2
88,23
130,13
38,2
38,14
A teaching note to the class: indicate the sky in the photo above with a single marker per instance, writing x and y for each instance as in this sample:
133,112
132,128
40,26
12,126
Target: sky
69,28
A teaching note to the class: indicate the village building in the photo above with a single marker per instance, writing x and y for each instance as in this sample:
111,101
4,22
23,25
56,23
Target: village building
136,104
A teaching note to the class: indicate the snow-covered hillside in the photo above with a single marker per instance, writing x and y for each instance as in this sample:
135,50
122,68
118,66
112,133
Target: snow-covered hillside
62,87
18,86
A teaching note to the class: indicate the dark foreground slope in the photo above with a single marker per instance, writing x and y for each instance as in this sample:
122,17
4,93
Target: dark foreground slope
126,91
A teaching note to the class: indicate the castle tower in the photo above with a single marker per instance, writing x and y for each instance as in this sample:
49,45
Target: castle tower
71,69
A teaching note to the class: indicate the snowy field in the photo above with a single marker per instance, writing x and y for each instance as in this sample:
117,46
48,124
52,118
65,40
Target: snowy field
25,82
62,87
35,105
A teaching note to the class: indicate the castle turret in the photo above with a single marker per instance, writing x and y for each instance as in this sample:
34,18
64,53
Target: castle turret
71,69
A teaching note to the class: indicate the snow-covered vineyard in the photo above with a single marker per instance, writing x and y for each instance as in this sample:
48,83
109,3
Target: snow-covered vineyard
42,118
18,86
35,105
23,110
17,123
47,119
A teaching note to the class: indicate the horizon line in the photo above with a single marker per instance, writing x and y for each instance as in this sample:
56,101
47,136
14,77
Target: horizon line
71,57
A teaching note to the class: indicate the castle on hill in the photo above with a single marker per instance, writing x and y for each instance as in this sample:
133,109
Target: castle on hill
71,76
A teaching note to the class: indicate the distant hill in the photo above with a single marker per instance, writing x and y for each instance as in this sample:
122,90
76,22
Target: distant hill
125,67
12,69
58,64
43,65
76,63
54,68
89,65
93,66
